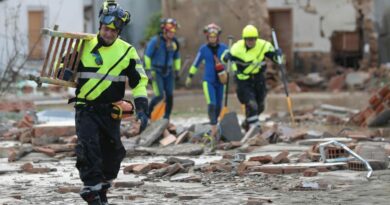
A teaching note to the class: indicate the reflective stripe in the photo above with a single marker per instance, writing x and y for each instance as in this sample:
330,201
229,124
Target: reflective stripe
156,90
140,70
252,119
92,75
206,91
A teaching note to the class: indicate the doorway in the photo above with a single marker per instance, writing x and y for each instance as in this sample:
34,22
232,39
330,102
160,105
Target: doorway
281,20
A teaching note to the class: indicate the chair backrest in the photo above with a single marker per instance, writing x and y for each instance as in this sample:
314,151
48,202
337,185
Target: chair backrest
62,54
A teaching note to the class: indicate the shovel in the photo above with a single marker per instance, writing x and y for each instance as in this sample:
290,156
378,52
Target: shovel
225,108
282,68
158,111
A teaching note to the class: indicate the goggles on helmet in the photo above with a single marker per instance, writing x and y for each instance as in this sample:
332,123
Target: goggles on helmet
170,27
168,24
107,20
113,14
212,30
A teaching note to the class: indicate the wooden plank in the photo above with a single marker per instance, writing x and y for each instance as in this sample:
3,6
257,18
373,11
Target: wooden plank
72,59
80,53
66,58
74,35
54,57
47,80
59,57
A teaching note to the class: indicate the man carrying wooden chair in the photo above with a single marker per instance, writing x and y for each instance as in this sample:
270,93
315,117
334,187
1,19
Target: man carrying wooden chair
106,63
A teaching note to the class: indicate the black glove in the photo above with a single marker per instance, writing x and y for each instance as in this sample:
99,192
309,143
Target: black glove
177,77
141,116
227,57
279,52
68,74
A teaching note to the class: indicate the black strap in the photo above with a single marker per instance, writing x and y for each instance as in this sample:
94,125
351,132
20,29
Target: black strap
109,70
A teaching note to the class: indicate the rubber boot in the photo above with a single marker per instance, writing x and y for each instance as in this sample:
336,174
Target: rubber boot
213,131
90,196
103,193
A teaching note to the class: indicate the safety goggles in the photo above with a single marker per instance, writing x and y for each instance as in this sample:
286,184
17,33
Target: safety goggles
170,28
106,20
212,31
170,21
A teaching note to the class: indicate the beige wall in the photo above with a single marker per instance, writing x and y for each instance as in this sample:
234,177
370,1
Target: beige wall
337,15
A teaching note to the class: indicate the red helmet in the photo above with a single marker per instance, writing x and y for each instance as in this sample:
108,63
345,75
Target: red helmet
168,25
212,29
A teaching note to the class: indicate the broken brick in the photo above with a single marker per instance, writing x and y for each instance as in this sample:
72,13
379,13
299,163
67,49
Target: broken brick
64,190
243,166
292,169
268,170
142,169
263,159
47,151
336,83
129,169
28,167
168,139
280,157
173,169
155,165
230,156
53,130
311,172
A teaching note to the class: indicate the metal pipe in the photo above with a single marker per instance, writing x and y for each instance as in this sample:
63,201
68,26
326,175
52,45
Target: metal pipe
323,156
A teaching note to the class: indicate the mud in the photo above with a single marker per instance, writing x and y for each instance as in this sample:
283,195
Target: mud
334,187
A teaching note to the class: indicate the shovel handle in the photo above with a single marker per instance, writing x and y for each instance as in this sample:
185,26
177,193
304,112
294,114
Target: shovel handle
229,64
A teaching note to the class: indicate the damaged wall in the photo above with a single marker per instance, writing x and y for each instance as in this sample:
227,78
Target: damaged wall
370,35
382,16
313,25
307,23
15,13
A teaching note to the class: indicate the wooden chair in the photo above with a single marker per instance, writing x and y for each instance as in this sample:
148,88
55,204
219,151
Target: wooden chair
61,50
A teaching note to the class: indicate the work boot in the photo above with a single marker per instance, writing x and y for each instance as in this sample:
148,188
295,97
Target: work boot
103,193
213,131
209,143
90,196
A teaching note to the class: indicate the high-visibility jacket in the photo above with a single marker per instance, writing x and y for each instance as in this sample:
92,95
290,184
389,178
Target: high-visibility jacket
247,62
105,83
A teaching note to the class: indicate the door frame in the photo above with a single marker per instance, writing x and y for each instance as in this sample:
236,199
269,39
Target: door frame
290,61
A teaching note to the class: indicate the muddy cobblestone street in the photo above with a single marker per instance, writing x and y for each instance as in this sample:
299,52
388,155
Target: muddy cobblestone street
343,187
224,185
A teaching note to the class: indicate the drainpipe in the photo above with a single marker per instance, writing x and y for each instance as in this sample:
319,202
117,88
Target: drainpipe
94,15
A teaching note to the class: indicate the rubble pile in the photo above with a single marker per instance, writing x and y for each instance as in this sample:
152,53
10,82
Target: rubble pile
339,80
253,157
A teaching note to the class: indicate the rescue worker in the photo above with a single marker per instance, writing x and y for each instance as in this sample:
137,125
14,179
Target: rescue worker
210,53
162,64
248,58
106,63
